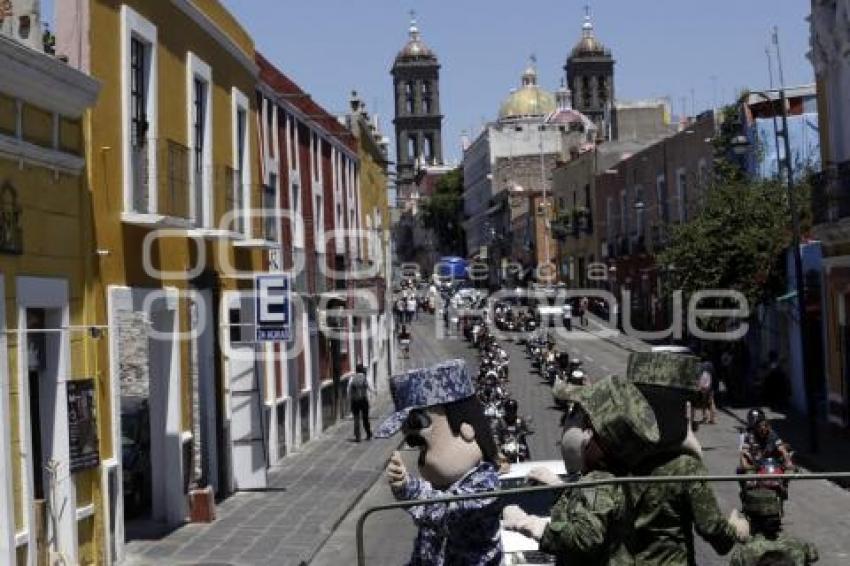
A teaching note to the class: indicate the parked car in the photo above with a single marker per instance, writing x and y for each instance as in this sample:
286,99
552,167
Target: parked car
672,349
520,550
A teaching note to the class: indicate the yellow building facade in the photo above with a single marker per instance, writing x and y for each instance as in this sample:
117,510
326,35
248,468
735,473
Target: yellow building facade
50,381
173,171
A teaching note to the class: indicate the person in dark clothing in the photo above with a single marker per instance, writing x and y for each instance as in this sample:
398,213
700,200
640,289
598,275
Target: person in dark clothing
358,392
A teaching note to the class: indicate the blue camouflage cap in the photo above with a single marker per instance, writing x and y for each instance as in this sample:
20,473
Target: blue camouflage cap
443,383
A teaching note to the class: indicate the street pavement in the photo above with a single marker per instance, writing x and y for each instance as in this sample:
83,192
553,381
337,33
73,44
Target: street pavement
317,495
816,511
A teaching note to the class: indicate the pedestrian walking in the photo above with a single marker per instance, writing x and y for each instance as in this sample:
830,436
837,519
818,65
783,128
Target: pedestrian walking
584,304
358,392
706,391
411,308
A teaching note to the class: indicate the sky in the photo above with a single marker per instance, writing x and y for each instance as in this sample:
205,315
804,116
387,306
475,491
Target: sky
694,51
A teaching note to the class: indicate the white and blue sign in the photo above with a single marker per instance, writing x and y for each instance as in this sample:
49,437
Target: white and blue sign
273,308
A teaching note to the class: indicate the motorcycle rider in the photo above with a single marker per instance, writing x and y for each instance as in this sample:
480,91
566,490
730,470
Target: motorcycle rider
759,442
512,427
763,508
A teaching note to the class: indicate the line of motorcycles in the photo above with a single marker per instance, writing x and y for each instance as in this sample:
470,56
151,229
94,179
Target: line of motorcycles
509,430
556,368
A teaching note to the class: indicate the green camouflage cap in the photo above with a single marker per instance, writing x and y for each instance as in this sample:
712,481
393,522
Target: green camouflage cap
664,369
762,503
621,417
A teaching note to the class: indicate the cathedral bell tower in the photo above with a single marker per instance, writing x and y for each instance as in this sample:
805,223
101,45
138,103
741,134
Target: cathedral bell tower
418,122
590,76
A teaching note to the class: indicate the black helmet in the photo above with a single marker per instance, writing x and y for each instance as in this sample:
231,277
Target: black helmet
754,417
511,406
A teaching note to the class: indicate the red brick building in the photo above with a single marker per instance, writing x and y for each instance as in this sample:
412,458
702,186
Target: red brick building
636,203
310,170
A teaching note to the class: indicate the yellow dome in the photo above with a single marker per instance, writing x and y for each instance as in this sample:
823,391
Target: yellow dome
528,101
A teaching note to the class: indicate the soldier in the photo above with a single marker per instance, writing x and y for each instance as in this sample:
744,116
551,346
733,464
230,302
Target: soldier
608,424
439,413
764,509
667,514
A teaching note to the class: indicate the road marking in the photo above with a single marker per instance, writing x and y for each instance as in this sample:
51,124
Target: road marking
589,359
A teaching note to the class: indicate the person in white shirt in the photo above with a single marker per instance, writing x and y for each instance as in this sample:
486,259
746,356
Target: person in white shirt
358,390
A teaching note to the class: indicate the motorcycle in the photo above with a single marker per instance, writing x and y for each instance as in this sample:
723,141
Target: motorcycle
769,467
515,447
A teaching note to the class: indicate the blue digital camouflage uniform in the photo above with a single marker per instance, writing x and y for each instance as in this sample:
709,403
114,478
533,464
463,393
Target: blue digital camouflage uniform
463,533
588,526
801,553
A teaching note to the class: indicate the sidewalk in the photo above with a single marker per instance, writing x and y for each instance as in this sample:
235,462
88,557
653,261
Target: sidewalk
309,494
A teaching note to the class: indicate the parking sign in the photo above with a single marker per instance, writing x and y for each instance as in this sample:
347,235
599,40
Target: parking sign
273,308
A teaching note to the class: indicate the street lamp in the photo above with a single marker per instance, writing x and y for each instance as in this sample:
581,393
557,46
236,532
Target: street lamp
740,145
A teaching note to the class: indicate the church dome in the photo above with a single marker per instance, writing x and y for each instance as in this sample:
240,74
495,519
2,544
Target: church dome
529,101
415,47
589,45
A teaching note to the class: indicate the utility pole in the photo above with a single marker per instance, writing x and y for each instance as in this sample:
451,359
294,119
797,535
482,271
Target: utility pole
814,444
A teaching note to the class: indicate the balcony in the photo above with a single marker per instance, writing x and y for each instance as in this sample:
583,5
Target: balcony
159,195
637,243
831,194
658,238
623,246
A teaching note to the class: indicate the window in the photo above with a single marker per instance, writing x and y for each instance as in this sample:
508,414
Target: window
320,223
295,206
314,156
624,213
640,211
682,190
661,198
241,163
408,96
270,209
429,148
138,92
412,147
200,78
270,127
426,97
139,112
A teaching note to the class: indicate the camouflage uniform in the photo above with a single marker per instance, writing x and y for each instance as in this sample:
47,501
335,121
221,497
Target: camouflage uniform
460,533
802,553
667,514
765,504
591,526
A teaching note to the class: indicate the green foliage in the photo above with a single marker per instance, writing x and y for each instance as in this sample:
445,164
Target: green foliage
736,241
443,213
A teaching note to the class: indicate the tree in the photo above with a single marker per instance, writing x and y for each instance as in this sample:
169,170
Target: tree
737,240
443,214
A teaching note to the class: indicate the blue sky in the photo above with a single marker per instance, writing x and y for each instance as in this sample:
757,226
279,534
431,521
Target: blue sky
662,48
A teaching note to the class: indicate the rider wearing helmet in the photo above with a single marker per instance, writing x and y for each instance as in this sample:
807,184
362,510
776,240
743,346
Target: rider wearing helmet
511,424
760,441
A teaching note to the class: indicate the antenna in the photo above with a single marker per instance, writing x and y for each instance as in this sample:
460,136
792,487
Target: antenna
769,66
587,10
778,56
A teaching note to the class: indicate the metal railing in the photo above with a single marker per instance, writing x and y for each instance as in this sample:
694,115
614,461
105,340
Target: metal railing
500,494
171,182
